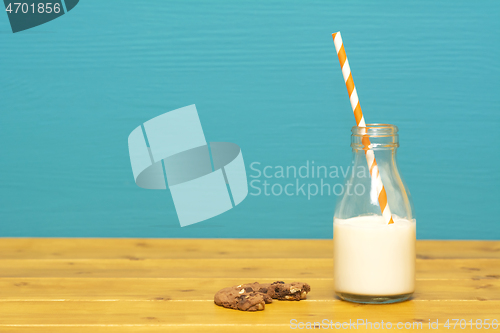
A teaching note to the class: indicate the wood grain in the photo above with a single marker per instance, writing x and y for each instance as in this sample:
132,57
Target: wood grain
126,248
153,285
238,268
206,312
203,289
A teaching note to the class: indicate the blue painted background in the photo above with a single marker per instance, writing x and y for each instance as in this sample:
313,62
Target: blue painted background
264,76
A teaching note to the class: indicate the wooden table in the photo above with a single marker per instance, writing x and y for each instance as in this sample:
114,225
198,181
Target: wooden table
159,285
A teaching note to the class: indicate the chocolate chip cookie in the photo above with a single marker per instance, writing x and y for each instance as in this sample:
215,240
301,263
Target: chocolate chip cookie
294,291
245,297
254,296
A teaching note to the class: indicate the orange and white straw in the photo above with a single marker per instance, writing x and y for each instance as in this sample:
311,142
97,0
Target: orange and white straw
360,122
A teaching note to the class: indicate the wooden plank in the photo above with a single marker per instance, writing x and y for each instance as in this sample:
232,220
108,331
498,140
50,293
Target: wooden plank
115,248
198,289
270,328
238,268
432,249
206,312
145,329
205,329
87,248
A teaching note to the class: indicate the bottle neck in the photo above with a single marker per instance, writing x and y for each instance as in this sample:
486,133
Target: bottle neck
377,137
382,141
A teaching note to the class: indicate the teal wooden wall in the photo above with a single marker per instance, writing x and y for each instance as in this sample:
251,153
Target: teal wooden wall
265,76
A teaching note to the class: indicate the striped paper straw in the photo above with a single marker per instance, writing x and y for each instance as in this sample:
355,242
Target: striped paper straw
360,122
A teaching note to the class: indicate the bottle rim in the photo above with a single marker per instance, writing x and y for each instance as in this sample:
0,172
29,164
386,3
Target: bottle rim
375,130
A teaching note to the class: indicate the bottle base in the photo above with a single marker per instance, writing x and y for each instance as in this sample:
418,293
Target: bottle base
368,299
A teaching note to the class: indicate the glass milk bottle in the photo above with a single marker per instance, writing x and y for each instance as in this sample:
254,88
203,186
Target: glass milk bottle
374,261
